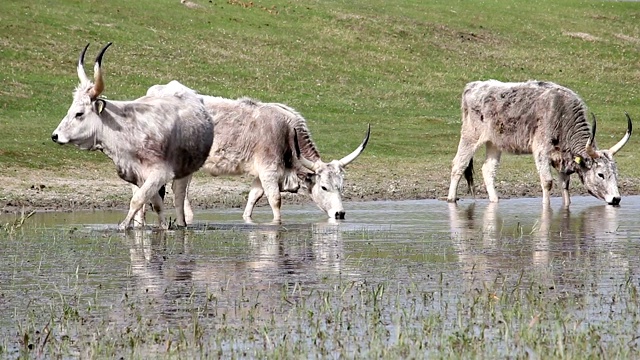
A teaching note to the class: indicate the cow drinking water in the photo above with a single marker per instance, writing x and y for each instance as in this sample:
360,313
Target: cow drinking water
539,118
256,139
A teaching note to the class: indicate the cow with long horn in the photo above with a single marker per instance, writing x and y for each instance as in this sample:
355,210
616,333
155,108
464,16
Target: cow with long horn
260,139
539,118
151,140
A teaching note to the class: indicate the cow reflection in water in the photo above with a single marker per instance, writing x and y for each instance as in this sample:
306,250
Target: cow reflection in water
166,277
551,245
273,255
274,258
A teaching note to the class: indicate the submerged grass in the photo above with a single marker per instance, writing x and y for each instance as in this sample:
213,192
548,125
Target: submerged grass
205,294
378,320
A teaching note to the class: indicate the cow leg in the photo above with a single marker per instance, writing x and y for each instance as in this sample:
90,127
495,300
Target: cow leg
146,192
255,194
179,188
271,188
139,220
158,204
564,179
188,212
466,149
489,169
546,178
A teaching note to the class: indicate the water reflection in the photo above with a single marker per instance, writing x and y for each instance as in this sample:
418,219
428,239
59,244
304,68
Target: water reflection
427,254
489,242
275,254
266,259
600,223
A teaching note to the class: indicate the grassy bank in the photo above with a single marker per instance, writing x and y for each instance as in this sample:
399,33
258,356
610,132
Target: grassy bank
400,66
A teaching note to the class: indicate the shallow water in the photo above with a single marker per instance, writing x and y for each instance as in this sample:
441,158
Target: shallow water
246,273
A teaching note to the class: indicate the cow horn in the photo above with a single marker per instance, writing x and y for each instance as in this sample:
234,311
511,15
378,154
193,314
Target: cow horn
81,74
615,148
349,158
589,148
97,74
307,163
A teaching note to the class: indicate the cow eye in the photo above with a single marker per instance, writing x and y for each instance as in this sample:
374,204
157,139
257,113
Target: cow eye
601,175
79,114
324,188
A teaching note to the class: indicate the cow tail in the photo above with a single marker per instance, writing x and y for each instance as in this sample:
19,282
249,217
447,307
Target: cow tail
162,191
468,175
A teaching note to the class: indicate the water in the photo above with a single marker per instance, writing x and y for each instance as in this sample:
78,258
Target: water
76,266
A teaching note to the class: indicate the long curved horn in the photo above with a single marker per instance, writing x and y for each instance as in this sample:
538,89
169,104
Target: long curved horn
590,150
81,74
615,148
97,74
307,163
349,158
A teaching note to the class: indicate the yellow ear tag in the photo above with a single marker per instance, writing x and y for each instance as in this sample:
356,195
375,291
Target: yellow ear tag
578,160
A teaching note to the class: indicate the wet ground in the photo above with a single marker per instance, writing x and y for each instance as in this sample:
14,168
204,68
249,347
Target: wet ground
223,272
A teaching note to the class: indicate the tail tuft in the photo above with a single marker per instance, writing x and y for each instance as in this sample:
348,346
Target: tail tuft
468,175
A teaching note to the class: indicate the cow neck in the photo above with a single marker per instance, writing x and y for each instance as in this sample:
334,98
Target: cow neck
307,146
111,136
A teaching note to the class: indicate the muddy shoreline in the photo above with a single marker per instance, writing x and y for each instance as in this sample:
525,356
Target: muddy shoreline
93,190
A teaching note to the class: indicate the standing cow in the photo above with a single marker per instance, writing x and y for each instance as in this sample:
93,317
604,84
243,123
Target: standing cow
536,117
257,139
151,140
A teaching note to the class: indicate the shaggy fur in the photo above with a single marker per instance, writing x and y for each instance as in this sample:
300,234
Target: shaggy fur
534,117
257,139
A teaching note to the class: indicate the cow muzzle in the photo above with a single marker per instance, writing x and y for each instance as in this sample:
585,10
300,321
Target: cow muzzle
339,215
59,138
615,200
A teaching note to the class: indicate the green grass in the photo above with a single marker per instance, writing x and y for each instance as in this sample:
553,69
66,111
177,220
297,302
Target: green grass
400,66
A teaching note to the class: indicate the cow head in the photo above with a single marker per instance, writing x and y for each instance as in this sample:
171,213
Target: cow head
325,183
598,172
80,125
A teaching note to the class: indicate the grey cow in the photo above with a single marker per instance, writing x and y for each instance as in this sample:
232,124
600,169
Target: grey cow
539,118
256,138
152,140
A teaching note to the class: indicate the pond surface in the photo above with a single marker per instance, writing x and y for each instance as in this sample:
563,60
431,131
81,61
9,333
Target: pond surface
395,269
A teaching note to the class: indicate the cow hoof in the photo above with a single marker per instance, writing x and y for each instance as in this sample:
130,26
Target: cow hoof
178,227
123,226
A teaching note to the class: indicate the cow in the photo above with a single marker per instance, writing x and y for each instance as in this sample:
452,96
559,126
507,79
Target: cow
539,118
151,140
257,139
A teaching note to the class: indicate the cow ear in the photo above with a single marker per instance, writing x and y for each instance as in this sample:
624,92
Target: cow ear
310,179
99,105
582,163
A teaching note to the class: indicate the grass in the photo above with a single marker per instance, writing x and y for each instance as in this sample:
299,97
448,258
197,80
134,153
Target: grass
400,66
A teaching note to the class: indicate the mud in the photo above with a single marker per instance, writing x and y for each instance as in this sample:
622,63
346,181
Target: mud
94,190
